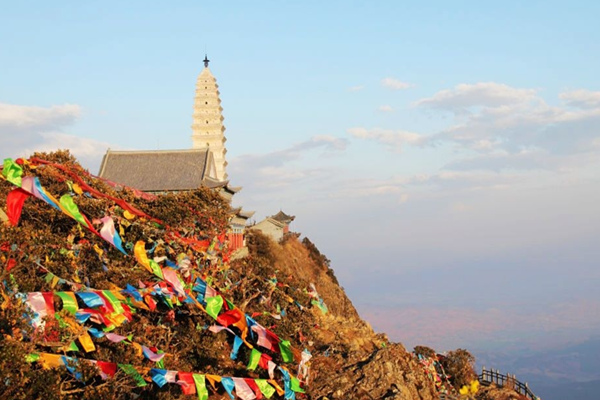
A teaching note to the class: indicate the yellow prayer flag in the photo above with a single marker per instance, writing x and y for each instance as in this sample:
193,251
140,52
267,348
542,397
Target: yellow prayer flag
280,391
86,342
138,349
77,188
50,361
213,379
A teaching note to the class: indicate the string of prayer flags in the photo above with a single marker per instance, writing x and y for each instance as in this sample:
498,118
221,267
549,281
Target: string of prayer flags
106,308
190,383
120,202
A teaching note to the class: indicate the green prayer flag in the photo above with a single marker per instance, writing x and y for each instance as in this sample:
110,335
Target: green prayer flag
12,172
160,363
33,357
265,388
156,269
131,371
73,347
214,305
69,301
230,304
286,351
321,306
254,359
200,386
114,301
48,277
295,385
67,202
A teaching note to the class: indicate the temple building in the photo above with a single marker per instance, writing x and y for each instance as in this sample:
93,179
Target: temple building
276,226
204,165
208,131
160,171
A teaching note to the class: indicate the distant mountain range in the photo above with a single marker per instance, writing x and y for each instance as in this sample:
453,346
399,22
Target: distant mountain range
568,373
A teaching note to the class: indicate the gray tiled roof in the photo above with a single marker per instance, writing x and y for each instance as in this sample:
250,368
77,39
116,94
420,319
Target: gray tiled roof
159,170
283,217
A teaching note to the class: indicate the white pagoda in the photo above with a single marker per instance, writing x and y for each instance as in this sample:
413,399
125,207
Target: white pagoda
208,131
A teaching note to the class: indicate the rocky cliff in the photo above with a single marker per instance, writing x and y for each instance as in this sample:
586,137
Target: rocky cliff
111,293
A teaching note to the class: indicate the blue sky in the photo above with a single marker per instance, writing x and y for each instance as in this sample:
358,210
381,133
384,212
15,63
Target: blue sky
446,157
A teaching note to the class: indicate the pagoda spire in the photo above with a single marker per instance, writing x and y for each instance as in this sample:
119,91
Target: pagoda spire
208,131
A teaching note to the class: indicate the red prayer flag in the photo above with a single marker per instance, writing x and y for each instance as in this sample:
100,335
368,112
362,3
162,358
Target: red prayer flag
14,204
230,317
254,388
264,361
107,368
49,299
186,381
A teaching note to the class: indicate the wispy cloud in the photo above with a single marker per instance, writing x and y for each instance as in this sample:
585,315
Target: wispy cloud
506,127
394,140
395,84
356,88
386,108
581,98
273,169
26,129
483,94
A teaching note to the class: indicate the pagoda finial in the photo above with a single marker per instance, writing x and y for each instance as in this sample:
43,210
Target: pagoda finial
206,60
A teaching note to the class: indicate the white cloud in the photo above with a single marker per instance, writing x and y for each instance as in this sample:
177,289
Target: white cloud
485,94
395,84
356,88
581,98
17,118
26,129
273,170
385,108
394,140
515,128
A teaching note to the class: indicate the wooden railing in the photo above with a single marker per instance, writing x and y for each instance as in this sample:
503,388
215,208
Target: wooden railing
488,377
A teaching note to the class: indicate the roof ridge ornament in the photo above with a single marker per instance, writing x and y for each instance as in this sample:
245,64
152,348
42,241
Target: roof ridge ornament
206,60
